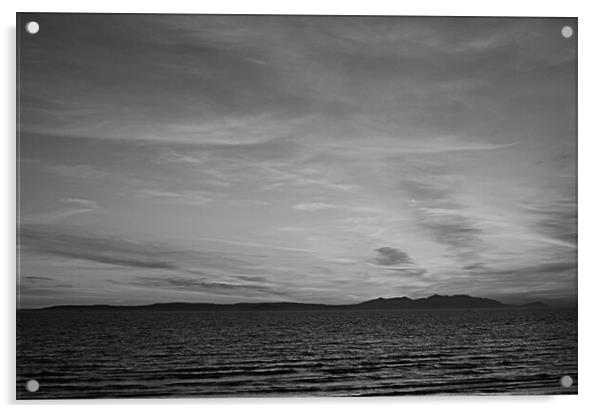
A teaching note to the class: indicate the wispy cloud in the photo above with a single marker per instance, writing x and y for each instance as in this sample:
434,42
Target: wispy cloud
314,206
442,215
76,244
254,244
198,198
65,209
386,146
54,241
83,203
202,285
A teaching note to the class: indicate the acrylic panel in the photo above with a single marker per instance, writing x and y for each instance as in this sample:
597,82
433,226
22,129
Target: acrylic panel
248,205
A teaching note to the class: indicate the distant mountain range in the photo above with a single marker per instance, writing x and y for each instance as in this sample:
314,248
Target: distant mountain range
434,302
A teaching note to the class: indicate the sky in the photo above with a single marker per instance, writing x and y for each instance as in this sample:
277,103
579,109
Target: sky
295,158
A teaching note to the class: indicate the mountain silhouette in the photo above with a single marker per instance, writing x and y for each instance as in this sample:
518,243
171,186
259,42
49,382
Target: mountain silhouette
433,302
534,304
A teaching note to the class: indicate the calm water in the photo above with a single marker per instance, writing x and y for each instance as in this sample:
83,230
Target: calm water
332,353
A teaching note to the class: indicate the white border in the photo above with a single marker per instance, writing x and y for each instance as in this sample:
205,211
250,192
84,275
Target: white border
590,188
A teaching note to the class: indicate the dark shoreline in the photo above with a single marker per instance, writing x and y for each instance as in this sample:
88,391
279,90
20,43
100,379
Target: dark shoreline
434,302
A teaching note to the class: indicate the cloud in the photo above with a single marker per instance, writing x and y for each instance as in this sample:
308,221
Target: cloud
29,283
255,245
314,206
388,256
35,278
198,198
172,156
427,146
175,269
548,279
457,232
427,193
67,242
557,221
68,208
80,172
394,259
446,219
54,241
203,285
83,203
536,272
212,270
251,278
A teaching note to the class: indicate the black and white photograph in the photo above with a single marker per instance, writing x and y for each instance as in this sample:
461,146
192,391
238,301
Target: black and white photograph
295,206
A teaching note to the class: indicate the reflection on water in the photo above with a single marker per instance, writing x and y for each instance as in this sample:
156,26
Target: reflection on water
322,353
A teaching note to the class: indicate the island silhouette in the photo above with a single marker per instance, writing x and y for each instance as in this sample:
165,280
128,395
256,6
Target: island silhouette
432,302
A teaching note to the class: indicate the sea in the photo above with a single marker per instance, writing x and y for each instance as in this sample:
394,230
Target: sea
76,354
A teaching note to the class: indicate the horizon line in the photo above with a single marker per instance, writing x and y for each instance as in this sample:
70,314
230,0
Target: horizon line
548,303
